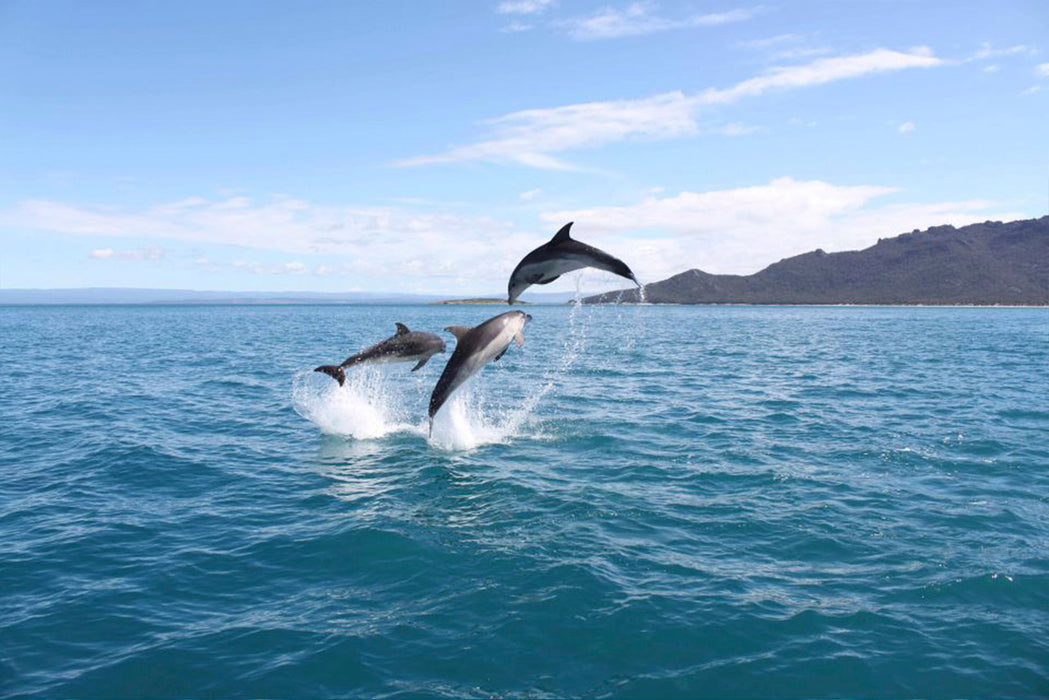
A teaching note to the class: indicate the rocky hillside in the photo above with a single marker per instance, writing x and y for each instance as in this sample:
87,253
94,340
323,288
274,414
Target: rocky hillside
988,263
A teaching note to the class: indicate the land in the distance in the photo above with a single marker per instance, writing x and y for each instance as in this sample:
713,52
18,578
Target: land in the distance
988,264
480,300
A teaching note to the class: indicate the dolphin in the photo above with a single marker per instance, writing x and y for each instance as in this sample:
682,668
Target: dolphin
474,348
559,255
402,346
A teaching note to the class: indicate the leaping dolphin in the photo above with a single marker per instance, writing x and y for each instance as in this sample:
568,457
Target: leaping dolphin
476,347
402,346
559,255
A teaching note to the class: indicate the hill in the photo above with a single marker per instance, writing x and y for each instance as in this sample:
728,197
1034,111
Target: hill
983,264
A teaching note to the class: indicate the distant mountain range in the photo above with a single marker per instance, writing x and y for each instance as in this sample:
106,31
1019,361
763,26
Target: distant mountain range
992,263
123,295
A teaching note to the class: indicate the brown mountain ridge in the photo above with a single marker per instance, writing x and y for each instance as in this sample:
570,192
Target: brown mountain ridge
992,263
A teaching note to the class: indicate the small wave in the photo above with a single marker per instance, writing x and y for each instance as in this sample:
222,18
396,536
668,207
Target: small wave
365,408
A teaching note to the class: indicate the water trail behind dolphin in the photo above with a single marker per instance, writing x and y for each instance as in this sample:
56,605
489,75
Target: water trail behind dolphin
366,407
468,421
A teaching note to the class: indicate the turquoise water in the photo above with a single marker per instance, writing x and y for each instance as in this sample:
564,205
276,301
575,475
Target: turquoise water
642,501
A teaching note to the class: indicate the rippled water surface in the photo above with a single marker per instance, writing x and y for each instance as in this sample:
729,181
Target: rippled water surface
642,501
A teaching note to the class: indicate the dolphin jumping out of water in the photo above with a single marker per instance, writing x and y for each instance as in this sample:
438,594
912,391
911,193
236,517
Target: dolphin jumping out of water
559,255
476,347
402,346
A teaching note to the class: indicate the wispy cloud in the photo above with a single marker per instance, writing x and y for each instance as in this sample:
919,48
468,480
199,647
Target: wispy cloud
821,72
516,27
533,137
147,253
786,47
257,268
1042,69
643,18
524,7
987,51
530,137
745,229
771,42
376,247
906,128
733,230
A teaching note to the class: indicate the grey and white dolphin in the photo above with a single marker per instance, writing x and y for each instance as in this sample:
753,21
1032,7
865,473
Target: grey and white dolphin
475,347
559,255
402,346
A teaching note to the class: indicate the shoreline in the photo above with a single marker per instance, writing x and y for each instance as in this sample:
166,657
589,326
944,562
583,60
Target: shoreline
193,304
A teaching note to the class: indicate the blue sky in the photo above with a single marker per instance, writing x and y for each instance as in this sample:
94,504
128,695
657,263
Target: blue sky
426,147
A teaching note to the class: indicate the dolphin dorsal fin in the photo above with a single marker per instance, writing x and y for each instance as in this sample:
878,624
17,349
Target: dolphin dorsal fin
458,331
401,329
562,235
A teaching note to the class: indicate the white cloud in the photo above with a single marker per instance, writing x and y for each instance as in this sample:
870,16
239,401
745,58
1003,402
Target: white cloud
641,18
993,68
1033,90
731,231
821,72
386,248
147,253
735,129
516,27
987,51
771,41
1042,69
743,230
523,7
800,52
531,137
530,194
906,128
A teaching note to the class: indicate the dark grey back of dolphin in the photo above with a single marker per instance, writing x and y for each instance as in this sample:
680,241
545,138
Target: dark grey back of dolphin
559,255
472,347
403,345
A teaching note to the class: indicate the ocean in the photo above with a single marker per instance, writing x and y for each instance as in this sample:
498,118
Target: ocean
642,501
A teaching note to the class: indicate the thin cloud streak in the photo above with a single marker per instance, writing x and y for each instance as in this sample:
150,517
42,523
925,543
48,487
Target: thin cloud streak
639,19
729,231
532,137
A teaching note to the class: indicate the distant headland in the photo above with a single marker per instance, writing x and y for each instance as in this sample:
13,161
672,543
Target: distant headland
988,264
481,300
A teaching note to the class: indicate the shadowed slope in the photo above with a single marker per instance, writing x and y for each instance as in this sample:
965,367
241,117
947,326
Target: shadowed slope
988,263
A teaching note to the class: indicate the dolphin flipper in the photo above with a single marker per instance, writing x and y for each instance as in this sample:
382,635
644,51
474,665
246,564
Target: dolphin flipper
421,363
500,355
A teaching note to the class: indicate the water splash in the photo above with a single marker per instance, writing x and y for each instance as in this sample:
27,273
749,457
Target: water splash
366,407
468,421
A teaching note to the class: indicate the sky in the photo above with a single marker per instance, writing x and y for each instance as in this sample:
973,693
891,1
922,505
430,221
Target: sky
428,146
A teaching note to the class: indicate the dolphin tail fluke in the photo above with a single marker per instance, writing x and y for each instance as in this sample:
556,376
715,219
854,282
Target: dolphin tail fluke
333,371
